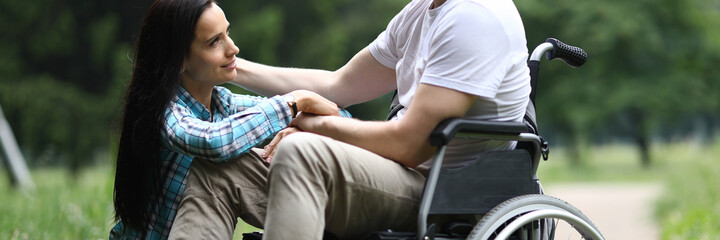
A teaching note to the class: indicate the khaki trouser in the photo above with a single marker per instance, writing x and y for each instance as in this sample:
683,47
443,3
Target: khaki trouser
317,183
217,194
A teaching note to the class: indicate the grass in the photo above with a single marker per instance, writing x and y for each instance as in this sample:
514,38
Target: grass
61,208
690,207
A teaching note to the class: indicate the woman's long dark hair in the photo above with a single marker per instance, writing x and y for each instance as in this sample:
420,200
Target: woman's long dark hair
166,33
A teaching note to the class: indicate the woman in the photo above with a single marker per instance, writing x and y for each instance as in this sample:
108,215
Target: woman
175,115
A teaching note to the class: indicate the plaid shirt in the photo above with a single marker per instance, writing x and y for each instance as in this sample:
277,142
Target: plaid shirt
239,123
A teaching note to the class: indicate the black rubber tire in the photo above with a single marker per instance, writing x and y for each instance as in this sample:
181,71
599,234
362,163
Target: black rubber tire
518,206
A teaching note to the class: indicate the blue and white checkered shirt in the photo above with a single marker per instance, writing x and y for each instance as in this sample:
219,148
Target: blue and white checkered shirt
240,122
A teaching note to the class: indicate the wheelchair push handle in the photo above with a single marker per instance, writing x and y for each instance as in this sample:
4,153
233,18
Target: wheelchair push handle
571,55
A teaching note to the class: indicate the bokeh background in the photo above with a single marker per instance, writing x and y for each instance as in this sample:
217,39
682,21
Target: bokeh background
645,109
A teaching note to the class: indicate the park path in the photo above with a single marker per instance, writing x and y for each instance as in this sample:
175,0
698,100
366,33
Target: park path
619,210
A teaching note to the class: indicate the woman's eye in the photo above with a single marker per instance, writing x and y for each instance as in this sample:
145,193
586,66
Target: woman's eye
215,42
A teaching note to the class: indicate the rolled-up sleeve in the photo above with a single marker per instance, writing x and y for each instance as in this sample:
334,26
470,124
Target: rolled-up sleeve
225,139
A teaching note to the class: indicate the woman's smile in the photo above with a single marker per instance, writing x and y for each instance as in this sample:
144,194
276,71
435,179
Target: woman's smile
230,66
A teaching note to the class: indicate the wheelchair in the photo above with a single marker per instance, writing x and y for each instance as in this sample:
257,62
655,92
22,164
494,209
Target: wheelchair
501,188
499,195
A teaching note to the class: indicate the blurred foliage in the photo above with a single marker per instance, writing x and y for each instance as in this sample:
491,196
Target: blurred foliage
649,72
310,34
64,65
62,68
690,205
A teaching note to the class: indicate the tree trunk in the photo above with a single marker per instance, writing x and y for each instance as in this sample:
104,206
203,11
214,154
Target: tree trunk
641,135
710,122
643,144
576,147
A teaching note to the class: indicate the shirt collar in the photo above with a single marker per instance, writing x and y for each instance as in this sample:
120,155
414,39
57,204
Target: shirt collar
220,101
195,107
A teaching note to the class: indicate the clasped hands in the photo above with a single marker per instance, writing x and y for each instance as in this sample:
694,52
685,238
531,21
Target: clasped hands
310,107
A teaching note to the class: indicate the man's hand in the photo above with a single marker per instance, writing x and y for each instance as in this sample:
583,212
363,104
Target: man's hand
308,103
311,102
308,121
270,148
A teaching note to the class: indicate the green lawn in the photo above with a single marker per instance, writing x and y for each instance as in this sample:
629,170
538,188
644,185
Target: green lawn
690,208
61,208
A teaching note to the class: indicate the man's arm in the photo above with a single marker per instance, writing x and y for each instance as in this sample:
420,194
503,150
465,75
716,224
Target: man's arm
362,79
405,141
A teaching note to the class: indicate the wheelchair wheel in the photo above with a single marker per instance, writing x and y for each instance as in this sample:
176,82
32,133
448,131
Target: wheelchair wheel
533,217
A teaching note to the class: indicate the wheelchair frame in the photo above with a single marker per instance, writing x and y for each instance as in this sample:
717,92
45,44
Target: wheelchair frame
509,131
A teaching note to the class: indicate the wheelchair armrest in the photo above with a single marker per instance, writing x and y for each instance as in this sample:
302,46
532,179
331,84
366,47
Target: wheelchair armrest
446,130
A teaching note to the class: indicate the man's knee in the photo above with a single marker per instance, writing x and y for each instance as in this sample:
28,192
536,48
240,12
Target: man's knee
300,147
306,153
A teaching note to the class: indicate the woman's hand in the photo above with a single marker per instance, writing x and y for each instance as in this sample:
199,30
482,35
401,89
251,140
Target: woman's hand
270,148
310,102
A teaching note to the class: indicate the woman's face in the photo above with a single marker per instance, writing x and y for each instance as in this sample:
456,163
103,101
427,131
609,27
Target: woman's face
211,59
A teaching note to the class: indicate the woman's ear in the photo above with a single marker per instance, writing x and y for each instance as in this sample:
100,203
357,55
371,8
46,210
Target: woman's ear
183,67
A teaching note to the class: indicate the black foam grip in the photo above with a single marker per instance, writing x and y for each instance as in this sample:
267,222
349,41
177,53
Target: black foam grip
571,55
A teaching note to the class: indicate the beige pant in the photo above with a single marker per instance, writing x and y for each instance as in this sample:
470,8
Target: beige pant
216,194
317,183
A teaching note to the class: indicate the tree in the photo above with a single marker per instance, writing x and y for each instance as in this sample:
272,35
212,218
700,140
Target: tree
61,76
649,65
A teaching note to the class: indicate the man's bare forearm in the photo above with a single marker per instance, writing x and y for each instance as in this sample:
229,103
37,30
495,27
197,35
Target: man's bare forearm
362,79
387,139
269,81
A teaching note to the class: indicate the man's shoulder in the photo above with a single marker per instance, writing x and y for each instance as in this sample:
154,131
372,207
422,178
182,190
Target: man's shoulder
487,16
471,10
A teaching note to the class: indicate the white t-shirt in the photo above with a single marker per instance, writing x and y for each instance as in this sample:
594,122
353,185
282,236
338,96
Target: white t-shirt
472,46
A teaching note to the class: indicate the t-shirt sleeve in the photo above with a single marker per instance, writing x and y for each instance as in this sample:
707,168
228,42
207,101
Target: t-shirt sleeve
384,48
468,52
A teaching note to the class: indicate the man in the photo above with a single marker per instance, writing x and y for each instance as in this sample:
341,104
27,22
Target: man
446,58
